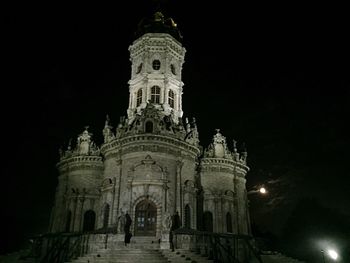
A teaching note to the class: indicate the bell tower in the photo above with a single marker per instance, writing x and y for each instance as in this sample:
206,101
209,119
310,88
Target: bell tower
156,59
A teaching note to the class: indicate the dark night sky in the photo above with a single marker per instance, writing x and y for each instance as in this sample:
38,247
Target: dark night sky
274,77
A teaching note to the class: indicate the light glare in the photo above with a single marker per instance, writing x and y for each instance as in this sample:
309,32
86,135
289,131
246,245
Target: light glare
262,190
333,254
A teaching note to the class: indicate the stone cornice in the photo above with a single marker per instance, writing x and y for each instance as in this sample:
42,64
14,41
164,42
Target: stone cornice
82,162
149,142
209,196
141,78
223,163
148,182
157,39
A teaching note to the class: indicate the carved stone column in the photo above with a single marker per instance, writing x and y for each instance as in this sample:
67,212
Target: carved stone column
216,215
75,203
112,211
178,189
117,191
129,188
80,216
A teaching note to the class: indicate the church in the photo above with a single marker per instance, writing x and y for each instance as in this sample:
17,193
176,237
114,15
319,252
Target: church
151,165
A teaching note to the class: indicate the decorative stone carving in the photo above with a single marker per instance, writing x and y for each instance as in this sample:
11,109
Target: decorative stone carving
218,148
192,135
83,142
107,131
121,222
166,223
154,153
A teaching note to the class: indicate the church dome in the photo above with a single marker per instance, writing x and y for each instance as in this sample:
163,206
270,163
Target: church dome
158,23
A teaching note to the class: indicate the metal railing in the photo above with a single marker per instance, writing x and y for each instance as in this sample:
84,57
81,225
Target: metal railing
58,247
219,247
62,247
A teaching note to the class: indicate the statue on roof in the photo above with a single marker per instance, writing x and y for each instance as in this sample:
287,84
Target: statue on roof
83,142
107,131
159,17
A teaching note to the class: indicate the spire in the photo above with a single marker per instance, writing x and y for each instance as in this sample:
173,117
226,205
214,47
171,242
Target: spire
244,153
234,143
188,126
107,120
158,23
235,153
69,148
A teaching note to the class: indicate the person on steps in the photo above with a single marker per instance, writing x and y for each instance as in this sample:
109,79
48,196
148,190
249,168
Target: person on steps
127,226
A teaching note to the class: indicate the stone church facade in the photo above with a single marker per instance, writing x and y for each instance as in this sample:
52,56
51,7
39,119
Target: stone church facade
152,165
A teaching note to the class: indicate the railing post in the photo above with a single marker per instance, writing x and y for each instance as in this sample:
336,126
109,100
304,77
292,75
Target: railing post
218,247
106,241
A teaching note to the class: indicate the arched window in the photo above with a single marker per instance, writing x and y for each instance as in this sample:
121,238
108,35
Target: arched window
89,221
105,215
149,126
139,98
68,220
156,64
208,221
171,98
229,222
172,67
187,216
139,68
155,94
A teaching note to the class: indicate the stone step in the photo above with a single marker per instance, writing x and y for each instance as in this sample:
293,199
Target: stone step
134,246
279,258
142,256
128,251
123,255
129,260
20,256
182,255
127,255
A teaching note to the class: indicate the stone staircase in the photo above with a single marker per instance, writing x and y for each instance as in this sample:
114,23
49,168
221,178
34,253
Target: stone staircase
183,255
122,255
17,257
134,255
278,258
140,250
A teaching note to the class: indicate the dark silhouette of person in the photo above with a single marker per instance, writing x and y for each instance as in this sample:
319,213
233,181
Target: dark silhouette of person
175,224
127,226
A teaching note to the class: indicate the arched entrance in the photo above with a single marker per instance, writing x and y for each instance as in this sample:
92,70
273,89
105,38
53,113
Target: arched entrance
229,222
187,216
145,218
105,215
89,221
208,221
68,221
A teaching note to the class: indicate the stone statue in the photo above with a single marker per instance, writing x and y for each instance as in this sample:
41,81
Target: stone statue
166,221
121,222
